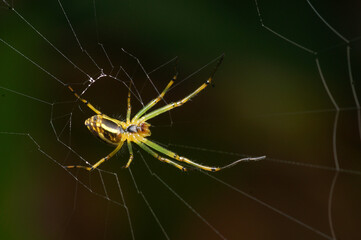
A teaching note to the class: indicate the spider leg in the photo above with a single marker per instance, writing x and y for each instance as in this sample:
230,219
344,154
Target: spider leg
89,105
154,101
131,155
129,109
176,156
186,160
157,156
101,160
184,100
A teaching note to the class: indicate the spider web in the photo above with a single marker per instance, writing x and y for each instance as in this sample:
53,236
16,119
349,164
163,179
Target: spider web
288,89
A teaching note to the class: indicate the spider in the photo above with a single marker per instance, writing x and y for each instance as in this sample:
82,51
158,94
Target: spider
116,132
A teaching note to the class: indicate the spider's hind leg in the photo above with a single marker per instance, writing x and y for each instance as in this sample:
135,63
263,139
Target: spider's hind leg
129,106
100,161
88,104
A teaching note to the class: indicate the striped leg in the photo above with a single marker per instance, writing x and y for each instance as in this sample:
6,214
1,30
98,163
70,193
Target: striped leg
154,101
129,108
131,155
157,156
176,156
184,100
186,160
89,105
101,160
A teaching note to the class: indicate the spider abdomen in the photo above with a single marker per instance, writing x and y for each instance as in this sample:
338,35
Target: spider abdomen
105,129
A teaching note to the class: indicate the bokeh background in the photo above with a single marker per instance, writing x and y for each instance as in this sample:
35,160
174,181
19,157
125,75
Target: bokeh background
267,99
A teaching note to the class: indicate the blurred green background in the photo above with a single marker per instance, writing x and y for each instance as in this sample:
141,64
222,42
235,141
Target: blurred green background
267,99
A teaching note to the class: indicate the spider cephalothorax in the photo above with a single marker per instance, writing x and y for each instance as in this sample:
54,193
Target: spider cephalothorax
136,130
141,128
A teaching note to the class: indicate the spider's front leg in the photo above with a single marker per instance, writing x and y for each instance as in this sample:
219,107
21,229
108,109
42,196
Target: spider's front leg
188,161
154,101
184,100
157,156
131,155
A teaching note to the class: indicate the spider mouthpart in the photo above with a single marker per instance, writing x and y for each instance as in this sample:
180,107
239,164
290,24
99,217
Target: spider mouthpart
87,123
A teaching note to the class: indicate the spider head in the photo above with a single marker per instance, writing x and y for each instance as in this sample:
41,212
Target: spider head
105,128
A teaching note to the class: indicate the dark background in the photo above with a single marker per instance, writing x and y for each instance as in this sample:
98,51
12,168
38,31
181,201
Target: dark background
268,99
